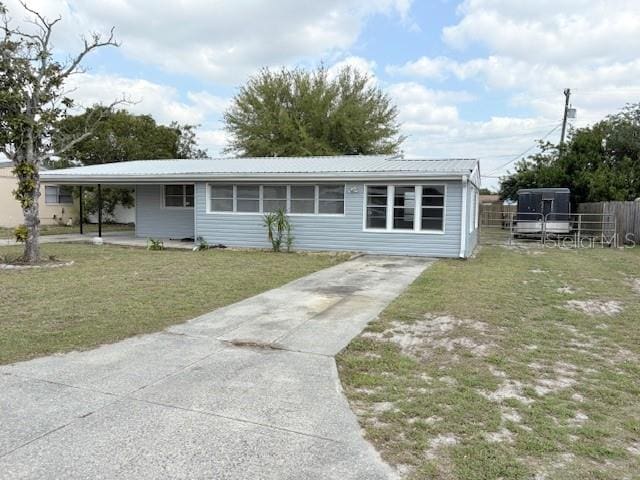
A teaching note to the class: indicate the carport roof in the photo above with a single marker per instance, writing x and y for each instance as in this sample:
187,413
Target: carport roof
264,168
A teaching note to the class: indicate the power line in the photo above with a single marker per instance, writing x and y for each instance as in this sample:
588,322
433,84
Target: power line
517,157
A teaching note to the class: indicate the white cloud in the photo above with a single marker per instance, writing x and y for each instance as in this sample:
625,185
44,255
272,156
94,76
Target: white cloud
550,31
220,41
359,63
535,51
214,140
162,102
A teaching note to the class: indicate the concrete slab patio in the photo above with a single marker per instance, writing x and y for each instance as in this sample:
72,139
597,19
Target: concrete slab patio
247,391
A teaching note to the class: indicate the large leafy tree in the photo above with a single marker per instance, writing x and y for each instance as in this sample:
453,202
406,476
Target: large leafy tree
32,101
297,112
120,137
598,163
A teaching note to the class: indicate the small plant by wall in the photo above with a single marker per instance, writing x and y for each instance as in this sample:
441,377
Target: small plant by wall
153,244
279,230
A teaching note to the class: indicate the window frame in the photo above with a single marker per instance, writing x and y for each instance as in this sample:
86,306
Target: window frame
261,212
234,198
390,208
58,202
315,200
344,201
163,196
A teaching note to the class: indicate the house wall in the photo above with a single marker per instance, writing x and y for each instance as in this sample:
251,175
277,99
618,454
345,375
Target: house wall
11,213
342,233
472,229
154,220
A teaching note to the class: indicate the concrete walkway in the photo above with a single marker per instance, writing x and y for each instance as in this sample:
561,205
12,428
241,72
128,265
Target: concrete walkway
126,238
248,391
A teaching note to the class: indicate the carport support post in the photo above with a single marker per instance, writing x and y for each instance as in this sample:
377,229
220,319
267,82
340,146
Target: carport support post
81,212
99,210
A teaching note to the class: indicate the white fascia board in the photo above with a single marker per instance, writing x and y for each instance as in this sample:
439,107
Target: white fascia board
259,177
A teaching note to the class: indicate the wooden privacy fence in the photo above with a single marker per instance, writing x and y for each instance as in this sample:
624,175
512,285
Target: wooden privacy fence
627,215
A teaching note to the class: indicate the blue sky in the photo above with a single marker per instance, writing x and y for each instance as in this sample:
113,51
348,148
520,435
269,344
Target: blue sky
474,78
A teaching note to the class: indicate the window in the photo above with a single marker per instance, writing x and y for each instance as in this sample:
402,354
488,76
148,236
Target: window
274,197
432,208
221,198
331,199
248,198
405,207
376,207
294,199
303,199
57,194
178,196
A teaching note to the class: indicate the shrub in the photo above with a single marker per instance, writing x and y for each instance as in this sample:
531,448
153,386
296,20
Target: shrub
279,230
153,244
202,245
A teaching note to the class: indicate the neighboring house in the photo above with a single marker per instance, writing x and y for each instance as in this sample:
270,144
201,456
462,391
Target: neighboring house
56,202
373,204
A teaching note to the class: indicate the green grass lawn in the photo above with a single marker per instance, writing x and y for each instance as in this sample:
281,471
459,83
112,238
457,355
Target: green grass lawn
490,368
111,292
7,232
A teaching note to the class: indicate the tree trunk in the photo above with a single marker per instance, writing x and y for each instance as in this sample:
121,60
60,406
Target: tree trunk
32,222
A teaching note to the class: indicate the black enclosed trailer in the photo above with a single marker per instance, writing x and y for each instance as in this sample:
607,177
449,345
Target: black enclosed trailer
543,209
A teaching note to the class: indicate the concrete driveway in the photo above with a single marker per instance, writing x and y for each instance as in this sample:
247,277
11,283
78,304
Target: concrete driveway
248,391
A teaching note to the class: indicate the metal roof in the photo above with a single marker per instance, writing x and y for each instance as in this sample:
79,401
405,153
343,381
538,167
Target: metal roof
348,166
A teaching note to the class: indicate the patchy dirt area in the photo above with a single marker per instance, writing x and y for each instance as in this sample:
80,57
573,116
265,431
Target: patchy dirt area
634,283
422,338
566,289
531,374
595,307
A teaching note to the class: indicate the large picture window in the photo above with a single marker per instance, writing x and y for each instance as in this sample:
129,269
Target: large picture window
324,199
418,208
178,196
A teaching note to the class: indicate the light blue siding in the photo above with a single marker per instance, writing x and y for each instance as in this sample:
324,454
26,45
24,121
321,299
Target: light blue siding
153,220
343,233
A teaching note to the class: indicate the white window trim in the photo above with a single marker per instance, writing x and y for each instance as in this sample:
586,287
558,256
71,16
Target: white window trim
184,195
57,202
316,200
417,223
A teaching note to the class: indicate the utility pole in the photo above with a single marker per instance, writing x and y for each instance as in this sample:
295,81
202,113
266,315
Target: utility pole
567,94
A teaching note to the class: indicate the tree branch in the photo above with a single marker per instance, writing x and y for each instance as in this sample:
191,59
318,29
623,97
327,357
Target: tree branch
90,126
96,42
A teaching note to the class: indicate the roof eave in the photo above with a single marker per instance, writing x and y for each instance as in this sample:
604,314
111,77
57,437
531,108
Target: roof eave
235,177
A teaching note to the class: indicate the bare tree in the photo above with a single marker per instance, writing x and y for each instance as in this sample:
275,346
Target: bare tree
32,101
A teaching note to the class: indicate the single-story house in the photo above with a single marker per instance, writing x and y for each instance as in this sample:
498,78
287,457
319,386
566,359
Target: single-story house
373,204
56,204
